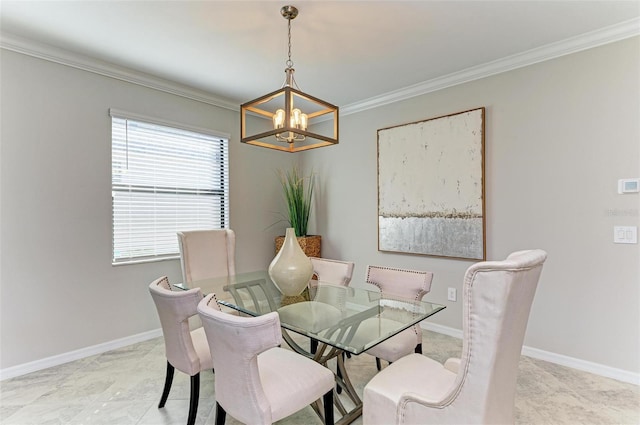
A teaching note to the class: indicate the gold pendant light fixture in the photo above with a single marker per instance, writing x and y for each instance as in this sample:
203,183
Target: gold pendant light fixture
281,119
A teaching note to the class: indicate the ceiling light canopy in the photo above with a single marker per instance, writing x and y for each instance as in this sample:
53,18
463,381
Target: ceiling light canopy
281,119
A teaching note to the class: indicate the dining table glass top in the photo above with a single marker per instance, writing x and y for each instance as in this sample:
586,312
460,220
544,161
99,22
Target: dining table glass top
348,318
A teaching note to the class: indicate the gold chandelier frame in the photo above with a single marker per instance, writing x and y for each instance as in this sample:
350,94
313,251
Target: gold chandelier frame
289,135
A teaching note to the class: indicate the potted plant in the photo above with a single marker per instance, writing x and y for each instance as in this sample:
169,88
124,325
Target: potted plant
298,193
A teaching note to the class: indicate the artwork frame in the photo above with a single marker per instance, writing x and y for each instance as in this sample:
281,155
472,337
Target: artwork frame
431,191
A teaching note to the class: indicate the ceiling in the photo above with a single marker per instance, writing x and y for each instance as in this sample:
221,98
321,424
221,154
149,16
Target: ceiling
344,52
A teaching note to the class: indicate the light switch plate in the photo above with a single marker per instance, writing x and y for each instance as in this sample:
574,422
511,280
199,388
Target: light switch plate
625,234
452,294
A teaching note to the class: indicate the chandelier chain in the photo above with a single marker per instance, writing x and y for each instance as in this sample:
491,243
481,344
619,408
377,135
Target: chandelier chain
289,61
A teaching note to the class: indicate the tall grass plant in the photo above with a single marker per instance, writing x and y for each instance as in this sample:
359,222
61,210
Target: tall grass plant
297,191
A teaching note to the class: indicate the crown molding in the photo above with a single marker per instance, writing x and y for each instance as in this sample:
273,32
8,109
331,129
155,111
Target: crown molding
606,35
610,34
64,57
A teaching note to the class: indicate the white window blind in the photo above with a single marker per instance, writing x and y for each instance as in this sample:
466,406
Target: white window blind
164,180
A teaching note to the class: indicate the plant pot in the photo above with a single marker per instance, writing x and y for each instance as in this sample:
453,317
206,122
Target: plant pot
310,244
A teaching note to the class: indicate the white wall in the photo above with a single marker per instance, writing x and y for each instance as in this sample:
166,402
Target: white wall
59,291
558,136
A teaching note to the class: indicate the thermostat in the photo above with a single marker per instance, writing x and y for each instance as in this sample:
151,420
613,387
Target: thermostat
628,185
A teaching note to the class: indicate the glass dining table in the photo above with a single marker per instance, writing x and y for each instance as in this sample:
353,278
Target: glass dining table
330,320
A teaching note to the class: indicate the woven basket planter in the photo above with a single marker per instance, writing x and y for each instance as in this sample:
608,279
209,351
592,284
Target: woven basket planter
310,244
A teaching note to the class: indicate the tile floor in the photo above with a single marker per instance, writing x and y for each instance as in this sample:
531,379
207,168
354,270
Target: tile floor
123,387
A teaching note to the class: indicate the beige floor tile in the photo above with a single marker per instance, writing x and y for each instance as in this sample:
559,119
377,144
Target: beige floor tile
124,386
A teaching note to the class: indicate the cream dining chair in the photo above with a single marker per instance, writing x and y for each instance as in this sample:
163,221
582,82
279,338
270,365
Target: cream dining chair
207,253
396,283
480,387
335,272
188,351
257,381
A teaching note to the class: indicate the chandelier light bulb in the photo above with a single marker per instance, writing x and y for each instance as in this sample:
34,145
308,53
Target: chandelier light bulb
278,119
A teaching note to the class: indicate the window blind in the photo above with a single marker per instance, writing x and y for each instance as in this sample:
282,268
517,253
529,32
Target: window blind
164,180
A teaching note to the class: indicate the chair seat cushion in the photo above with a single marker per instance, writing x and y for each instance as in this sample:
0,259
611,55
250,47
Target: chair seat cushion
391,349
201,346
290,380
414,373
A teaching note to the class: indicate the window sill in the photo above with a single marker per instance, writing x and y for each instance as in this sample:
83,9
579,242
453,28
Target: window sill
144,260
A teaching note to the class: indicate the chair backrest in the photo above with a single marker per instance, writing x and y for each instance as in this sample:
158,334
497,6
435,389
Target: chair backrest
207,253
238,341
497,300
411,284
174,309
333,271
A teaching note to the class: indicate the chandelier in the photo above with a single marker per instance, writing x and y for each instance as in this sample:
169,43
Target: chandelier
281,119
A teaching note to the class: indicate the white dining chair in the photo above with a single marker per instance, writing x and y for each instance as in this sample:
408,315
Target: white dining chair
480,387
186,350
207,253
336,272
401,284
257,381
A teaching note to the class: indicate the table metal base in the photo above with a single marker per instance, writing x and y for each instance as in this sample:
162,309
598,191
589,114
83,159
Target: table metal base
322,355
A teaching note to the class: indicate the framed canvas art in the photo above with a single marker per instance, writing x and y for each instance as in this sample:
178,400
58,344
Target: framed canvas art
431,187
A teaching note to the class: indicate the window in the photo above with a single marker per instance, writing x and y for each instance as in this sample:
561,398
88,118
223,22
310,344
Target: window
164,179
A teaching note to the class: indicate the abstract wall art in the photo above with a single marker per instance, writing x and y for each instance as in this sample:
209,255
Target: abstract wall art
431,187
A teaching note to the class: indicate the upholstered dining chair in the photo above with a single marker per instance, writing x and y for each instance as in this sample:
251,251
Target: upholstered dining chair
186,350
398,283
207,253
335,272
258,382
332,271
480,387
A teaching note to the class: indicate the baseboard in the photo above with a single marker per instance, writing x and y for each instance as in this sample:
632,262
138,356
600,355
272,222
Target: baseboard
572,362
23,369
586,366
445,330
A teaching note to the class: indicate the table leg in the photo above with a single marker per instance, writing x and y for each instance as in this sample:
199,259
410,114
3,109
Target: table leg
322,355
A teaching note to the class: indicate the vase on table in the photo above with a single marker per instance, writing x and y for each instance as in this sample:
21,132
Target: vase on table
291,269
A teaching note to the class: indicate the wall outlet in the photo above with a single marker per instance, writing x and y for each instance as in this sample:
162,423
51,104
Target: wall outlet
452,294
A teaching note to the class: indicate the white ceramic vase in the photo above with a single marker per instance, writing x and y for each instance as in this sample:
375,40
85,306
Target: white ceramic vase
291,269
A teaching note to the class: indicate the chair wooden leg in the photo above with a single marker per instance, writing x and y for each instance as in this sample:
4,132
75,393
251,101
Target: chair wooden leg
327,400
193,402
168,380
221,415
378,365
419,348
314,346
